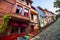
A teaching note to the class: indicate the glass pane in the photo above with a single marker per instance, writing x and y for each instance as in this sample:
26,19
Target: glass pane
19,9
26,12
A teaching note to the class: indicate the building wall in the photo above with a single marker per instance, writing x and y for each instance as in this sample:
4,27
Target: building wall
41,15
5,7
9,7
40,12
49,16
35,18
11,1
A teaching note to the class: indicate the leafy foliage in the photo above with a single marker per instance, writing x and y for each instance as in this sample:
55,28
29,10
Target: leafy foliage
4,23
57,4
58,16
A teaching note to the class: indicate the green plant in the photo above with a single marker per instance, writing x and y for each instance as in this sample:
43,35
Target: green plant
58,15
4,23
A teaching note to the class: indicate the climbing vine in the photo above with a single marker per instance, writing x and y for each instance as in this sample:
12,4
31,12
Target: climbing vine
4,23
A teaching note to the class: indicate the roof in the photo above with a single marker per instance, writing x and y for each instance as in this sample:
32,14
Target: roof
33,7
48,11
40,8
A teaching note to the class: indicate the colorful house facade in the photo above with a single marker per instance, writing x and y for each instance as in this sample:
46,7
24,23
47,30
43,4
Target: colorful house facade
41,15
50,16
34,20
21,13
45,16
25,18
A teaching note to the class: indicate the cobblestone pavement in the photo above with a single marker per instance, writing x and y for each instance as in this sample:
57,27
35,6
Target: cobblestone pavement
51,33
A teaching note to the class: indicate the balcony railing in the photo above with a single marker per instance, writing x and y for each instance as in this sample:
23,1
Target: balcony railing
20,16
33,11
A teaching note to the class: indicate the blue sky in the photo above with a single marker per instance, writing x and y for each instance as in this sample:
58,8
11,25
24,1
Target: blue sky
48,4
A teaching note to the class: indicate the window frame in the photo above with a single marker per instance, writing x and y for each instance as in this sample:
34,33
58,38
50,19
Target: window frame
19,9
28,11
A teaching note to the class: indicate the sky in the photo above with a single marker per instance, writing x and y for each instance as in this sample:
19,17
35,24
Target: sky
48,4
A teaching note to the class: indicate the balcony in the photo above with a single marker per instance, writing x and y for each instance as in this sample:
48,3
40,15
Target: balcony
33,10
15,15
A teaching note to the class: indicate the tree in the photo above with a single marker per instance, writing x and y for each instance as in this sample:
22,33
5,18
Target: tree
57,5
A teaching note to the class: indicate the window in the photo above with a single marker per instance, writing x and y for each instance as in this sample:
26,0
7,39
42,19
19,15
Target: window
27,3
32,16
18,9
26,12
32,27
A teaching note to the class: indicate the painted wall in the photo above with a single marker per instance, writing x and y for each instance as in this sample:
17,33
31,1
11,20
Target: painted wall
35,18
41,15
40,12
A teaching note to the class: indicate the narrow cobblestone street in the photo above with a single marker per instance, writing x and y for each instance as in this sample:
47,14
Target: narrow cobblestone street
51,33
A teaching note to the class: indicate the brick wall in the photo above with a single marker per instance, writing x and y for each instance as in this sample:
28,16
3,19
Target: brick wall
11,1
5,7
